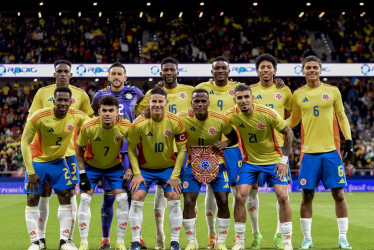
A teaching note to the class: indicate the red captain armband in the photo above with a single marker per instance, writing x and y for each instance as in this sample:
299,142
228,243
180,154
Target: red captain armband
181,137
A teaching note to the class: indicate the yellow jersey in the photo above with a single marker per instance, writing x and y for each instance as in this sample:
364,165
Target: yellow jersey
54,135
277,99
205,133
80,100
259,144
155,139
103,146
179,99
318,108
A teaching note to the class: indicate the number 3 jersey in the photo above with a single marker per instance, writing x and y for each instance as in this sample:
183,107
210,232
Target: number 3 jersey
103,145
128,97
257,134
155,149
54,134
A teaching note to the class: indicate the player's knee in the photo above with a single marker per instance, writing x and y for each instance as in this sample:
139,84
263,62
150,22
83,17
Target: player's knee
283,199
308,196
223,201
338,195
47,190
33,200
64,196
240,197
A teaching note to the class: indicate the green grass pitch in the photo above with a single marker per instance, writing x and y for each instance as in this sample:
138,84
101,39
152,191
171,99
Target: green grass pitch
13,234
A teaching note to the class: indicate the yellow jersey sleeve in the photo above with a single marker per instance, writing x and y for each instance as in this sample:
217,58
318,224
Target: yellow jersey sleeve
342,117
143,104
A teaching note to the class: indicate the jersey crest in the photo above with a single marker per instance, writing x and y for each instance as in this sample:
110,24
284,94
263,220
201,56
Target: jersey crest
182,95
70,127
168,132
73,100
231,92
117,138
260,125
278,96
325,97
205,164
212,130
128,96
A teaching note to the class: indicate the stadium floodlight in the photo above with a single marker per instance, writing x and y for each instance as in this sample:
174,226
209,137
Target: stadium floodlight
59,14
201,14
343,13
362,14
94,4
150,79
308,4
96,79
149,4
41,4
361,4
255,4
100,14
321,15
301,14
18,13
161,14
36,79
202,4
141,14
222,13
180,14
79,14
39,14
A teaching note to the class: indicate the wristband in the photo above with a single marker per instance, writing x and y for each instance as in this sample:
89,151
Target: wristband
284,159
82,171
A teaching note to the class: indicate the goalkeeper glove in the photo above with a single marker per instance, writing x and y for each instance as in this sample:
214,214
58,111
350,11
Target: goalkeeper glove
84,182
348,150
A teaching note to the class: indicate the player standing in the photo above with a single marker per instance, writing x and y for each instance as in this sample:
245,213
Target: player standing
128,97
266,93
156,162
43,99
55,128
256,124
318,105
206,129
179,99
102,137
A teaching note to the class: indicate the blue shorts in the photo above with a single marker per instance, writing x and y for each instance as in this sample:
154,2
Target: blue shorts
160,176
249,174
56,173
105,185
73,166
113,175
191,185
327,167
263,178
233,162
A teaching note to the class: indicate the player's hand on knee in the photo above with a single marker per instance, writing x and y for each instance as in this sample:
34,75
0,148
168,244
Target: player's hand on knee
175,185
34,179
135,183
146,113
279,83
128,175
348,150
281,170
84,182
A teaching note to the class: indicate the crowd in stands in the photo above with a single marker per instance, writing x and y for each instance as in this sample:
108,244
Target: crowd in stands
357,94
130,39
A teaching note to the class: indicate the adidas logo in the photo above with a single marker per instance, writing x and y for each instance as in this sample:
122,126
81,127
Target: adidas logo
66,231
252,208
226,186
83,225
123,224
158,215
177,228
75,178
258,97
104,215
341,181
211,92
149,134
209,214
51,99
69,183
189,233
135,228
192,129
223,232
305,100
32,233
50,130
241,126
97,139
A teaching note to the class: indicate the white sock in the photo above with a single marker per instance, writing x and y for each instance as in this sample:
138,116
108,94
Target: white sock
175,219
189,229
65,217
32,216
136,219
239,232
73,201
43,216
286,231
122,215
343,227
223,229
233,191
306,227
84,216
279,230
253,205
210,210
159,210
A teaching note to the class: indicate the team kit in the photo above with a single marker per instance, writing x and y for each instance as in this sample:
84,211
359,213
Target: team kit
227,135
